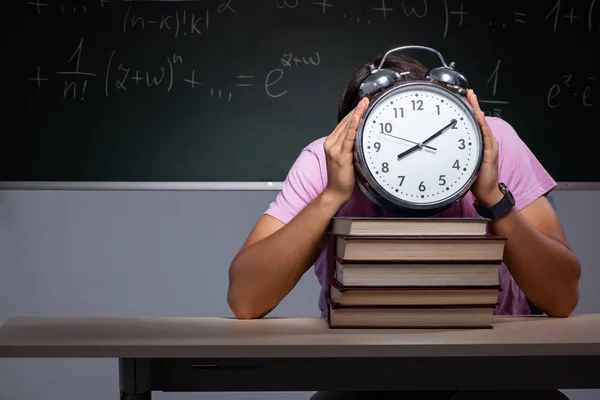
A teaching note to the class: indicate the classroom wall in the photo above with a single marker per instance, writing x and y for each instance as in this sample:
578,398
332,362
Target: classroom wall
155,253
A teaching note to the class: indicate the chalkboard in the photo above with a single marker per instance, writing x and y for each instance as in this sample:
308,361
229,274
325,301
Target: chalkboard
232,90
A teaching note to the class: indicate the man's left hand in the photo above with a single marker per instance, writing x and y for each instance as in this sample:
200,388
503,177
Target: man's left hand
485,188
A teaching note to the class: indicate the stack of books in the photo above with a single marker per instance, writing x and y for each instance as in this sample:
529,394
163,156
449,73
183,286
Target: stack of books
414,273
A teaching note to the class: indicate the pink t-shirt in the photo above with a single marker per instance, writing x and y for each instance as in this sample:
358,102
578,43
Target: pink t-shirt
518,169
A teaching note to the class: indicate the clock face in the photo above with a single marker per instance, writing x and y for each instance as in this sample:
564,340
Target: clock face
443,167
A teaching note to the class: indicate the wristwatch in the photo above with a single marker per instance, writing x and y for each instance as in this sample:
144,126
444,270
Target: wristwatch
500,208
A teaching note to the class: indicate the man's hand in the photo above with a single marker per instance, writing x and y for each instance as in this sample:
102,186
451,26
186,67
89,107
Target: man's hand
339,147
485,188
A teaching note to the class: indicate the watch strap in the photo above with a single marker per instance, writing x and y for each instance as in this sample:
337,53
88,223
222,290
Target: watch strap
500,208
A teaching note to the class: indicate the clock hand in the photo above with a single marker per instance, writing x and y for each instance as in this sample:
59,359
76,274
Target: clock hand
438,133
430,138
406,140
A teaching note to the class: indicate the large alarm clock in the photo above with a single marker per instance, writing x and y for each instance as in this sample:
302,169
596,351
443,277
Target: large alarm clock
419,146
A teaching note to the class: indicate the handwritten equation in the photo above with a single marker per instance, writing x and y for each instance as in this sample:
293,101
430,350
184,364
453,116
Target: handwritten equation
459,13
116,71
175,73
553,15
171,74
575,89
179,23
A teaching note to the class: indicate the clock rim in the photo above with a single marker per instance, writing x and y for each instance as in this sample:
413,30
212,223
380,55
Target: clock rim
379,195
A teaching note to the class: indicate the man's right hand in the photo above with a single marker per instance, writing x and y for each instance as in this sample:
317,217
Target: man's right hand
339,154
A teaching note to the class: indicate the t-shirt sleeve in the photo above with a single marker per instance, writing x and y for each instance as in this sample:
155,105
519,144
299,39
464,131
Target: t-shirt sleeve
518,167
303,183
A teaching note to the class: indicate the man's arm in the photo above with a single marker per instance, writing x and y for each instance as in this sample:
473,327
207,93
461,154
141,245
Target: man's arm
537,253
285,244
275,256
539,257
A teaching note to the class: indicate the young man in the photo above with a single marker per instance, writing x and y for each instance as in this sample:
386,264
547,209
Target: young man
291,236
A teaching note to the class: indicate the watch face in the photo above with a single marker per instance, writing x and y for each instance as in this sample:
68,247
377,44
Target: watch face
421,145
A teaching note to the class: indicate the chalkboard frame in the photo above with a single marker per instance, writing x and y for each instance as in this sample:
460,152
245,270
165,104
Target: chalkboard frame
200,186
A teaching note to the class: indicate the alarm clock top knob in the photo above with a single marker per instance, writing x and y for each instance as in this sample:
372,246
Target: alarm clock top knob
382,78
378,80
448,77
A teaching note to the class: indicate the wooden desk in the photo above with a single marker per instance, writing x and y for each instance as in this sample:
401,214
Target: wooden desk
291,354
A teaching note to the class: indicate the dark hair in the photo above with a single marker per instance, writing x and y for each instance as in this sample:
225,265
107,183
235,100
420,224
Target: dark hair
394,61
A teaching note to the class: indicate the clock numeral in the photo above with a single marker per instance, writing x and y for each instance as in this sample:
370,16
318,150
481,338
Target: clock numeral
422,187
417,105
401,180
385,128
462,144
385,167
442,180
454,125
438,109
396,112
456,165
377,146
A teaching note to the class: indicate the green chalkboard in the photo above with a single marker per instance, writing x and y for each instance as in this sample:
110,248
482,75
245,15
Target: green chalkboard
231,90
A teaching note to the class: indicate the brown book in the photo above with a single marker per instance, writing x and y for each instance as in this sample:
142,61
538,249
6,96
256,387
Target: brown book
416,274
391,226
421,249
411,296
413,317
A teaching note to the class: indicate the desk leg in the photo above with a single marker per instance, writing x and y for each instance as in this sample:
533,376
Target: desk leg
135,379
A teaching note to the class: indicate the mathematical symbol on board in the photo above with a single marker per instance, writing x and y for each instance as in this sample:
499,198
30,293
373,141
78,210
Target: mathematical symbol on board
72,86
590,13
244,77
461,13
519,17
413,10
571,16
37,4
493,102
494,77
120,84
38,78
281,4
75,9
176,59
76,54
503,24
136,77
194,29
192,80
383,9
225,6
219,93
323,5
